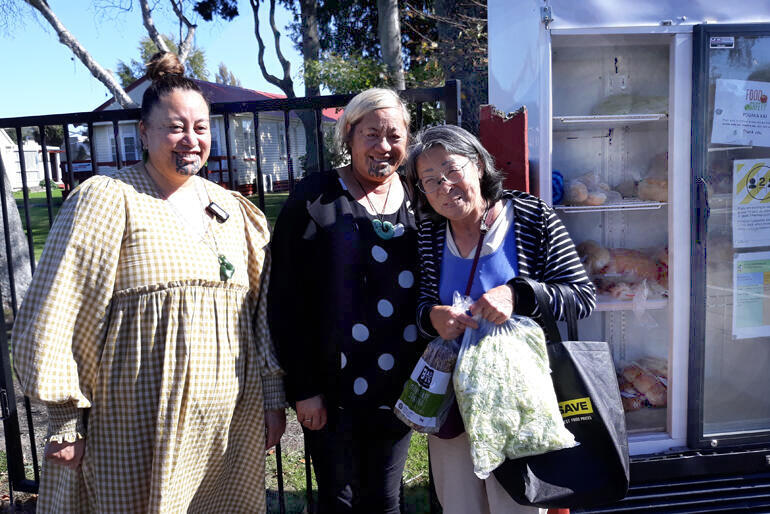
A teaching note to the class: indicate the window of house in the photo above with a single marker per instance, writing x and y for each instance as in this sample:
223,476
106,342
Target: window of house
215,137
129,147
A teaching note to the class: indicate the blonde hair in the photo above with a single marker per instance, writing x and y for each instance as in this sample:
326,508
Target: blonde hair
361,105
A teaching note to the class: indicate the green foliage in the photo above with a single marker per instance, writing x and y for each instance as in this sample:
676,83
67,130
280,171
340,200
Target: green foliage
227,77
208,9
346,74
12,134
195,66
54,135
354,73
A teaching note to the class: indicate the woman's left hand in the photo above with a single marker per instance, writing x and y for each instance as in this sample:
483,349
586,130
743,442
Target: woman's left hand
275,426
496,305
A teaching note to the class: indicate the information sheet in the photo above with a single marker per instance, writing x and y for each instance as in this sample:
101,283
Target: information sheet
741,115
751,203
751,295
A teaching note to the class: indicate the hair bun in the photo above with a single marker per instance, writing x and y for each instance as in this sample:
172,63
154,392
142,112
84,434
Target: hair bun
162,64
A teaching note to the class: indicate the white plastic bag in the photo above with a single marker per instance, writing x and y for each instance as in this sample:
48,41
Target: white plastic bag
504,390
427,396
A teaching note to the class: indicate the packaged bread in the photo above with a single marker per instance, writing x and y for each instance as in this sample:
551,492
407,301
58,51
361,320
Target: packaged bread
654,186
654,189
588,189
593,255
644,382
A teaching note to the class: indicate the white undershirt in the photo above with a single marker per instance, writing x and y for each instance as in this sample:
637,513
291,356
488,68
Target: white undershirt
494,237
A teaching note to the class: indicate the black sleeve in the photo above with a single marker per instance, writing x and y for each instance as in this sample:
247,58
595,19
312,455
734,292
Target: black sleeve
557,262
428,277
293,307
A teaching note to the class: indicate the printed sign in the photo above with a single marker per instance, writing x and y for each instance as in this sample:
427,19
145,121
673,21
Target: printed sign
722,42
576,407
741,115
751,295
751,203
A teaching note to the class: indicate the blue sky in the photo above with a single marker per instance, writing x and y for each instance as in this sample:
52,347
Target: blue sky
41,77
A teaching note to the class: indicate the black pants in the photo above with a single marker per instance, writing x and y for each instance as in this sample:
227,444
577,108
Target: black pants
358,459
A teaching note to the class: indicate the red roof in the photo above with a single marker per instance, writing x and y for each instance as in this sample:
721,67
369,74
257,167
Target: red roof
222,93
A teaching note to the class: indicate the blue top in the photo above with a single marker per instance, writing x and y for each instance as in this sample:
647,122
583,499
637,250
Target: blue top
494,269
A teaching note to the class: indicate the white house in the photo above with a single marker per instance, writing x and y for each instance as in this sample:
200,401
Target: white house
272,140
33,160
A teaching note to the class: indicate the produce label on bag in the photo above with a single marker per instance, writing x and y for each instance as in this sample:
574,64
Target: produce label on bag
424,394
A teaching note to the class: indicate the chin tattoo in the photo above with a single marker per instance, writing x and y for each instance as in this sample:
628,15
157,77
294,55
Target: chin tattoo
188,169
380,173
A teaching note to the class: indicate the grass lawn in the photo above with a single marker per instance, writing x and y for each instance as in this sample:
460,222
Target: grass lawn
416,499
38,215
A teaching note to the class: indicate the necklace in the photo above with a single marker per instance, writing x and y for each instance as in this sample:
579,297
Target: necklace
383,229
226,269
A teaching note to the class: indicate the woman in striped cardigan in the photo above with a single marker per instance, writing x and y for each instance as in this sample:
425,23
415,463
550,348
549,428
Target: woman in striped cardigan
466,216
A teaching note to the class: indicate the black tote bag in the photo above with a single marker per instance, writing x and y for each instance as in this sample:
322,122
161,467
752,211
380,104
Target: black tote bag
595,472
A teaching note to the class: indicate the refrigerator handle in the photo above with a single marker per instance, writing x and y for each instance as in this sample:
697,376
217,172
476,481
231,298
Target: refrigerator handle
701,199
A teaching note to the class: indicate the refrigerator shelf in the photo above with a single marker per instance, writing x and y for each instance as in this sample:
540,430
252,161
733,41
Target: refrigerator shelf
562,123
606,303
625,205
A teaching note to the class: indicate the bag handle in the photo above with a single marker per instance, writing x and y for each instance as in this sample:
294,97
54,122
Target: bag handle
548,321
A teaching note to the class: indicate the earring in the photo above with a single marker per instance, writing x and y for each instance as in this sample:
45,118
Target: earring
145,155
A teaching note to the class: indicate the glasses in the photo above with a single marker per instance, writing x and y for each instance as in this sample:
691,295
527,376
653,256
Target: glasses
451,176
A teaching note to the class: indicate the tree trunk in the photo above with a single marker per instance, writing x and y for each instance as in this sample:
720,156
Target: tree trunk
457,63
389,29
311,51
22,273
68,40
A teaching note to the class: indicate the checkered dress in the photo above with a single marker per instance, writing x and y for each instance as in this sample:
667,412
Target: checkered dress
127,319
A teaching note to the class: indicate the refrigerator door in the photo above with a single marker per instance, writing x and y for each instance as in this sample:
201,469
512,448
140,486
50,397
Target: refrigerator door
729,402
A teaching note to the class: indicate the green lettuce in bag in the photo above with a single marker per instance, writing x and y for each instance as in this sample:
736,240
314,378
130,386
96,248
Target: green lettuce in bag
502,381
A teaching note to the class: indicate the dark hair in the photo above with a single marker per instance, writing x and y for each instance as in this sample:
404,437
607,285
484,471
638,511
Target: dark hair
457,141
167,75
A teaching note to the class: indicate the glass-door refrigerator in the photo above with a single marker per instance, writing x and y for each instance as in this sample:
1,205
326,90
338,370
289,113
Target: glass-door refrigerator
651,140
730,340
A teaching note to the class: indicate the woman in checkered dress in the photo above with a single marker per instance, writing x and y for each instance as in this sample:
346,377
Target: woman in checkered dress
144,331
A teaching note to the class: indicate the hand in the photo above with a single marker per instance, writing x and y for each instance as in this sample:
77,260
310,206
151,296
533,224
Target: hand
311,413
496,305
450,323
275,426
66,454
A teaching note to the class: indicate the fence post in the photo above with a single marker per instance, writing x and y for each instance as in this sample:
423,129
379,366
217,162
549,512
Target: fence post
451,101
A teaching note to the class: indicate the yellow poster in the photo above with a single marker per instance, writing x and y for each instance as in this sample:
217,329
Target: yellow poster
751,203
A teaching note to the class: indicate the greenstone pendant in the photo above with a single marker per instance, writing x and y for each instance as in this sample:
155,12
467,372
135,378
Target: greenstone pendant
384,230
226,269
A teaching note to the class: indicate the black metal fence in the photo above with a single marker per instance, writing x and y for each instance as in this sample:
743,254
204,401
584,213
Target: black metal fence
447,96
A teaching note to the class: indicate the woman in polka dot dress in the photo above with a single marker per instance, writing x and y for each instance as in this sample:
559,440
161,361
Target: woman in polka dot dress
341,308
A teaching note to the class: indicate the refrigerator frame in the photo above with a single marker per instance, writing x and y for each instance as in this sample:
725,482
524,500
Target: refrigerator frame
699,215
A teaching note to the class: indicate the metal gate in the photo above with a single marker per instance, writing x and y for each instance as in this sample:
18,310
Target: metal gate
448,97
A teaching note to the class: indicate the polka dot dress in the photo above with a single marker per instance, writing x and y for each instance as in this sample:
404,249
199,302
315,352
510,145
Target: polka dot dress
380,348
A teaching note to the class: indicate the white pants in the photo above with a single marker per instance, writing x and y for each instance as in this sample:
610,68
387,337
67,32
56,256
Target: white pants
459,490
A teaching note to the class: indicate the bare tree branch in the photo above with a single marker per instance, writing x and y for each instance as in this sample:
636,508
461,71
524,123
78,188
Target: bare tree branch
68,40
149,24
286,84
186,45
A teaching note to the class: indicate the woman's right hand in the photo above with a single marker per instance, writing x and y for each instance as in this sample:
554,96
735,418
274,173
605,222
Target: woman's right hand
65,454
311,413
449,323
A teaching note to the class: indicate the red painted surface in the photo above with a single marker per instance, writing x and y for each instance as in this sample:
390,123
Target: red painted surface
505,137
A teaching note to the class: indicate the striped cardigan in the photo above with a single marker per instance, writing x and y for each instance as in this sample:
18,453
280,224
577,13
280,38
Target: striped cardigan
546,253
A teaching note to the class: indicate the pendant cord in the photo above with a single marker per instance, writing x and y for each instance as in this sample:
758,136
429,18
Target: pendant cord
226,269
366,195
